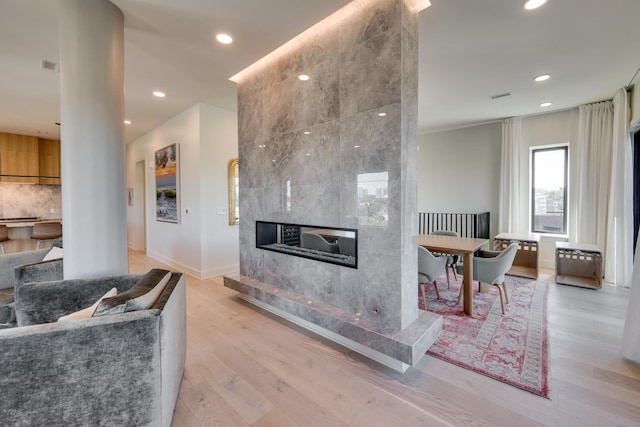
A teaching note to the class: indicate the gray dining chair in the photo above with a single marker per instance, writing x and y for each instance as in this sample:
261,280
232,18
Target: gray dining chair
317,242
490,267
452,260
430,267
347,245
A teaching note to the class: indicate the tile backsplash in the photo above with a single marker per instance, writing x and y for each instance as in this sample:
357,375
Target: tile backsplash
26,200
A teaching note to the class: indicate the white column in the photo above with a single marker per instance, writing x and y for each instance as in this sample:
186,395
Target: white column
92,138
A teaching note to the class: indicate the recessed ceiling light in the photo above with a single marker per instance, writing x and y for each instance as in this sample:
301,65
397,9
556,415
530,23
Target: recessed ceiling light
127,122
533,4
224,38
159,94
545,104
382,114
307,132
542,77
303,77
356,146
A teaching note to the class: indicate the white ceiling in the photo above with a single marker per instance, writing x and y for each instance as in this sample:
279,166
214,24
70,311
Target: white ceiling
469,50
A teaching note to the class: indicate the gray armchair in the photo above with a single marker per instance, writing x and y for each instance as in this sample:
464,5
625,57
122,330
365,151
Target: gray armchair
430,267
491,266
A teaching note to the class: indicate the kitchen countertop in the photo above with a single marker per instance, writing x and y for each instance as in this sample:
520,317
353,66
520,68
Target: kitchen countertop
16,224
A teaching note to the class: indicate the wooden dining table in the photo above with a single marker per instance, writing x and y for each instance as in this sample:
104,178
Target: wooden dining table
465,246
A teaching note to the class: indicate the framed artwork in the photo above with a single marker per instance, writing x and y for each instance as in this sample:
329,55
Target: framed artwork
234,215
167,162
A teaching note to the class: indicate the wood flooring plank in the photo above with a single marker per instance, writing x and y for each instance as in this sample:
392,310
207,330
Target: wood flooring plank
291,402
275,418
182,416
235,390
208,407
624,381
595,399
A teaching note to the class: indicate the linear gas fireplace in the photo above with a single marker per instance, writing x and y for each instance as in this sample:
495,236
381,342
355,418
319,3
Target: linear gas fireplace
326,244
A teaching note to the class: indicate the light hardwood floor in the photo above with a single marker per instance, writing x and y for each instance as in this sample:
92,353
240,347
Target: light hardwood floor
247,367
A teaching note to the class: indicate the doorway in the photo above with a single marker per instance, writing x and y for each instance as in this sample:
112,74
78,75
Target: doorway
635,137
139,209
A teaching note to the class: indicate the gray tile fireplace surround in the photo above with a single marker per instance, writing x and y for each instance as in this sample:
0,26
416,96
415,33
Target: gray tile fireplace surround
310,152
395,348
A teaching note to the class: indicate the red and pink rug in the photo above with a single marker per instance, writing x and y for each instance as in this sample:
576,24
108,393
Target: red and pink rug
512,348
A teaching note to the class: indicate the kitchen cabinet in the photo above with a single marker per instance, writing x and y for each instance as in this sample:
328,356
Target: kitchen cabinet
18,158
29,159
49,161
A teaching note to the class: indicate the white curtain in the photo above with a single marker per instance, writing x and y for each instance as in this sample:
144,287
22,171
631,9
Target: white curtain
619,249
509,209
594,148
631,335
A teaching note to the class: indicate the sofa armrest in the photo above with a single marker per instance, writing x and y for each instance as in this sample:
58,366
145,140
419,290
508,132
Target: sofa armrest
97,371
41,271
46,302
10,261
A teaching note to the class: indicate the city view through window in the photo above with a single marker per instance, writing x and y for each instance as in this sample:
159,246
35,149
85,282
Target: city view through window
549,190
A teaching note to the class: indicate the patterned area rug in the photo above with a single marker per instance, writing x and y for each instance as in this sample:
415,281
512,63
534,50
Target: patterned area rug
512,348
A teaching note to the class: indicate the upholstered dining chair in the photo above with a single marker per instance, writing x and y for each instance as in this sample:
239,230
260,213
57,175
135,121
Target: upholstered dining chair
4,236
347,245
452,260
430,267
490,267
46,231
316,241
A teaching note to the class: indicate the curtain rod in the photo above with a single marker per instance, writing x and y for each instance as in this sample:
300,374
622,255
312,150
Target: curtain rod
632,79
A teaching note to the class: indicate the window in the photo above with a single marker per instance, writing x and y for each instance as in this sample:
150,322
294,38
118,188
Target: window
549,190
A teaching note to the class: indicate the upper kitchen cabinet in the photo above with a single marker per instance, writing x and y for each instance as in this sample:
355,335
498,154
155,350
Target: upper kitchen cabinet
19,158
28,159
49,161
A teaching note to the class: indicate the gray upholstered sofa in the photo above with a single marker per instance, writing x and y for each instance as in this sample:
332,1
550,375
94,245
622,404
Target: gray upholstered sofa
23,267
120,369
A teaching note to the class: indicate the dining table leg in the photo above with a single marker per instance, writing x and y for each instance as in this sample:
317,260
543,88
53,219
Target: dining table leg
467,284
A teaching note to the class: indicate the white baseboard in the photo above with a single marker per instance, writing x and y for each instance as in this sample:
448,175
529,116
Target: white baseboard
220,271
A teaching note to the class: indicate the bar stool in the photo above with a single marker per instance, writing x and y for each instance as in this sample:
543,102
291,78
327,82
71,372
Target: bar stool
46,231
4,236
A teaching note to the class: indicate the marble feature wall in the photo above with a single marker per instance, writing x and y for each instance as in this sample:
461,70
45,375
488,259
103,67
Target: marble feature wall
27,200
305,145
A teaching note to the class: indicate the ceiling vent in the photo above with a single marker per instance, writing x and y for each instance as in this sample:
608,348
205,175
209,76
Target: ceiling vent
501,95
48,65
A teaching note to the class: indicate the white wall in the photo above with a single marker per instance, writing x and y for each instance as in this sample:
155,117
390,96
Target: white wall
218,145
188,245
459,171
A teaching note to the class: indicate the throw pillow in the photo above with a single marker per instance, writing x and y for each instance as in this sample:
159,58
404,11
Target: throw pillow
54,253
86,313
140,297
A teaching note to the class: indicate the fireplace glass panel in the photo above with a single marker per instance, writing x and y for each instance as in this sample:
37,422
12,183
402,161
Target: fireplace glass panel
326,244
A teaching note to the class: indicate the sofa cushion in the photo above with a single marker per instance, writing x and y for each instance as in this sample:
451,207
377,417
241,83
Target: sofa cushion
140,297
46,302
40,271
86,313
54,253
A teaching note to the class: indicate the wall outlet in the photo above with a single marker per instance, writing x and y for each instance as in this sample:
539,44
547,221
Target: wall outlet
52,210
222,212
